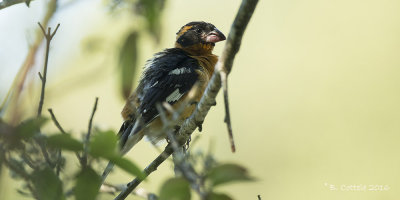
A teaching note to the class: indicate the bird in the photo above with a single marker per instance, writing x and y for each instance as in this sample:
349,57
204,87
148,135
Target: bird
169,77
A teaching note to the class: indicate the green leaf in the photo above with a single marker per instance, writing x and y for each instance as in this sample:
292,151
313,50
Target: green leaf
103,144
152,11
175,189
29,127
226,173
128,62
128,166
64,141
47,185
87,184
218,196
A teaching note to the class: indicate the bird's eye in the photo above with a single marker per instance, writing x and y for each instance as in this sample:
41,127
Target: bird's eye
198,30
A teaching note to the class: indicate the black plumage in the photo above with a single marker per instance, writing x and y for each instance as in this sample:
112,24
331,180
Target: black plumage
157,82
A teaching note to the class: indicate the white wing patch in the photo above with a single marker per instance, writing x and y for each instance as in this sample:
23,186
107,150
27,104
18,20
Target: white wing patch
174,96
154,84
178,71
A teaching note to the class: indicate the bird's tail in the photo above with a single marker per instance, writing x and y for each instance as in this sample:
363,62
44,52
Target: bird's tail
129,135
106,171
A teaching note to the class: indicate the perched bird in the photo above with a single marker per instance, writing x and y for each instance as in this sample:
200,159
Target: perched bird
168,77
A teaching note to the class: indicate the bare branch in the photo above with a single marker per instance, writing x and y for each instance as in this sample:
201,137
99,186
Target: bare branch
140,192
84,156
59,156
14,93
147,171
48,37
208,100
53,117
91,119
224,82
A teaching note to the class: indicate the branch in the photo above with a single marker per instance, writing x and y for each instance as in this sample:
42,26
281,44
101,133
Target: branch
83,159
224,82
180,162
59,157
13,95
48,37
208,99
140,192
147,171
7,3
53,117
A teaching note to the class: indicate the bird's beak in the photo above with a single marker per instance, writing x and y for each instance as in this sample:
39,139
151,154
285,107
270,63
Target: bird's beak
215,36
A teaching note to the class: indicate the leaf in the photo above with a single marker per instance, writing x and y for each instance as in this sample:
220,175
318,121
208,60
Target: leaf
226,173
152,11
29,127
87,184
103,144
47,185
128,63
175,189
27,2
64,141
128,166
218,196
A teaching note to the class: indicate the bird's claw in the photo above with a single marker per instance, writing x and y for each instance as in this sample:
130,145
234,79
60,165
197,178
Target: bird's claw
199,125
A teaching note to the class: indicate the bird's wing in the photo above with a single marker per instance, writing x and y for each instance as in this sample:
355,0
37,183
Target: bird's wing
167,78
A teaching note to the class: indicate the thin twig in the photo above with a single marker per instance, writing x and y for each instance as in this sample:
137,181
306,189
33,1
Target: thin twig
53,117
85,152
18,170
13,95
91,120
49,36
28,160
224,82
59,154
147,171
140,192
208,99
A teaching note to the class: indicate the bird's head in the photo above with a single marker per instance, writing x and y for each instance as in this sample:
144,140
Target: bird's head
198,37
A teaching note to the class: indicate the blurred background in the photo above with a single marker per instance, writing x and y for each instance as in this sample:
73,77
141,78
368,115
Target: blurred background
314,90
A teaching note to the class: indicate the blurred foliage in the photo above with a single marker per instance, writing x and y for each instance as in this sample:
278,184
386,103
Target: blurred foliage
65,142
37,159
175,189
227,173
47,184
42,179
217,196
209,174
87,184
128,63
148,10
